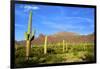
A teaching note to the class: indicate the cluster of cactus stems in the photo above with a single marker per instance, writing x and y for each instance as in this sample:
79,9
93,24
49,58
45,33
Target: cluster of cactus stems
45,45
29,36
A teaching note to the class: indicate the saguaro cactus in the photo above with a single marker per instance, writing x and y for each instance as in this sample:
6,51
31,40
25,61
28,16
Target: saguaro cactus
66,46
63,45
29,36
45,45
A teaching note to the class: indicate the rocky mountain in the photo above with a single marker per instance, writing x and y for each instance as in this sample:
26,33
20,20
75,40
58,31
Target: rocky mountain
59,36
67,36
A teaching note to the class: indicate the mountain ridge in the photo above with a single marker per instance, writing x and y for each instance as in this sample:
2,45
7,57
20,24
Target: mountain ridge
69,37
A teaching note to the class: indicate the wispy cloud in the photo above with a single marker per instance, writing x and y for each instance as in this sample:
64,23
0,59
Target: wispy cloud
70,23
28,7
79,18
63,27
20,26
74,19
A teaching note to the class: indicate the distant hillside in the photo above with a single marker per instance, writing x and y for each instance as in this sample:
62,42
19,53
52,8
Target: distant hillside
64,34
59,36
20,43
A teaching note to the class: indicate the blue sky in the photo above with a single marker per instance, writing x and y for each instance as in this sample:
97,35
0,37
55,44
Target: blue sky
51,19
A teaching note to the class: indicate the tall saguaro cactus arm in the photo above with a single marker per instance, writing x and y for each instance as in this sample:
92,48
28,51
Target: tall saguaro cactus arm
32,37
30,23
26,36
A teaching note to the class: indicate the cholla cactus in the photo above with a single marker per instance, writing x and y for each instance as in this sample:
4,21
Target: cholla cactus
29,36
45,45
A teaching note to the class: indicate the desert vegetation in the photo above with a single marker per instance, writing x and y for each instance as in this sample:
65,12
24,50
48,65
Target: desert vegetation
56,53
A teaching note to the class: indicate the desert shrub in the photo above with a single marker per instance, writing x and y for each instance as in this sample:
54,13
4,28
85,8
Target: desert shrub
55,54
89,56
54,58
20,52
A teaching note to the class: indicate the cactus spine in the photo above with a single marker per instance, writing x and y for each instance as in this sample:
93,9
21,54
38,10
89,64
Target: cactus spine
29,36
63,45
45,45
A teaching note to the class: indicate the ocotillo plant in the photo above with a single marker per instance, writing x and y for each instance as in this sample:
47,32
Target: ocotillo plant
63,45
29,36
45,45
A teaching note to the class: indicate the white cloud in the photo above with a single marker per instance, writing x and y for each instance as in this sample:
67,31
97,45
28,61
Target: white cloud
80,19
27,7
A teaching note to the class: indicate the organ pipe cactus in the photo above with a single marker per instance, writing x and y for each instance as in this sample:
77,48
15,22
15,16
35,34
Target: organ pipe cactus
29,36
45,45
